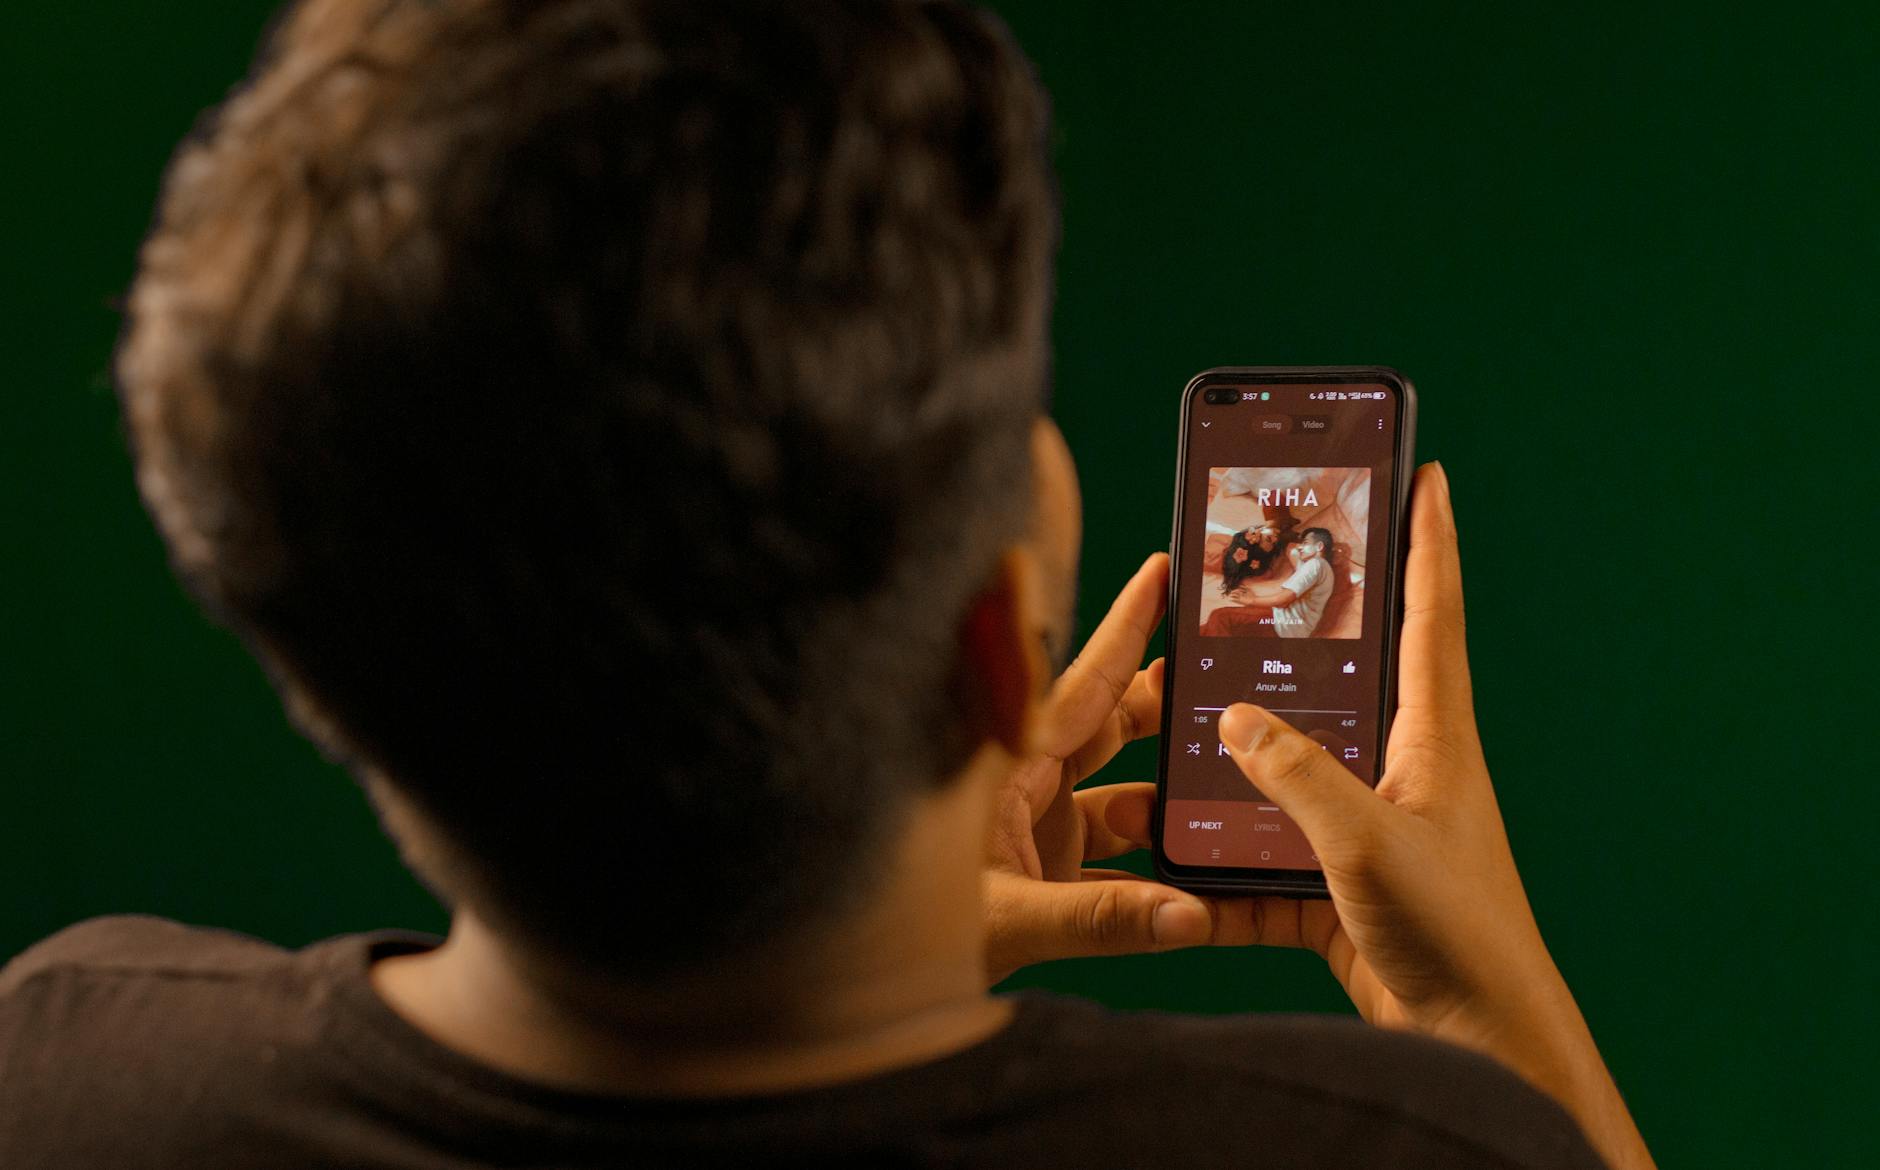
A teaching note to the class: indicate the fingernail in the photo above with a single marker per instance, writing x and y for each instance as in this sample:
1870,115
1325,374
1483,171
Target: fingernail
1442,473
1180,922
1243,727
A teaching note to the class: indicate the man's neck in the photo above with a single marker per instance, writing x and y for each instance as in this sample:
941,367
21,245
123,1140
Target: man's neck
899,984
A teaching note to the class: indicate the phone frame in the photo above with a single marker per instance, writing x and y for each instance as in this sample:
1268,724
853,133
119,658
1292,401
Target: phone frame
1295,883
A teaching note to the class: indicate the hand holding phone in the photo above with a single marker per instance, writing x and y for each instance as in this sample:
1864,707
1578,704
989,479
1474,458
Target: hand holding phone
1428,926
1043,900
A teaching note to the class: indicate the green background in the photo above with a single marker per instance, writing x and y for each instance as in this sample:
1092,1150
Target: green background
1628,254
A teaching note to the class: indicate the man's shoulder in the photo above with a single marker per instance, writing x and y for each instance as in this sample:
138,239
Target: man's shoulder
1329,1054
128,988
1307,574
138,944
1322,1087
137,1040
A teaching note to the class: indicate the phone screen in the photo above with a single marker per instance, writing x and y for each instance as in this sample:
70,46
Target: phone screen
1284,595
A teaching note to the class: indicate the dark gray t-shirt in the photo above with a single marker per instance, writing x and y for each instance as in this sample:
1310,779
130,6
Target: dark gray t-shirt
129,1042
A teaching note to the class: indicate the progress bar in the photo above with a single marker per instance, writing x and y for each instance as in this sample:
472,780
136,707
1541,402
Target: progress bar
1289,710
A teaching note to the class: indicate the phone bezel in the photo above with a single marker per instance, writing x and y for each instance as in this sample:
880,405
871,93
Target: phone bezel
1298,883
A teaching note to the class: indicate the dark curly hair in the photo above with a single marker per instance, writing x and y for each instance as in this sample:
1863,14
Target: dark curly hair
1257,562
466,332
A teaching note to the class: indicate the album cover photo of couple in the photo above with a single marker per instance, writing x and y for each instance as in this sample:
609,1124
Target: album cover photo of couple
1284,552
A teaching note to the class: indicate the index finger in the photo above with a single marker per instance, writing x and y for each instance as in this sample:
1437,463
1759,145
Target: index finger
1433,667
1094,683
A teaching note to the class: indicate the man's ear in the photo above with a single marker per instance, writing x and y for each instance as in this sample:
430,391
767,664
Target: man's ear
1007,666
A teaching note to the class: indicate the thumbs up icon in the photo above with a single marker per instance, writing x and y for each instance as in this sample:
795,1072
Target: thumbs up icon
1351,668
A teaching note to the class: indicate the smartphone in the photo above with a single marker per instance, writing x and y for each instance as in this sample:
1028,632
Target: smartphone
1291,525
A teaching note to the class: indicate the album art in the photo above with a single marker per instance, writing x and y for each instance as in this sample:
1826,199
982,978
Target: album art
1284,555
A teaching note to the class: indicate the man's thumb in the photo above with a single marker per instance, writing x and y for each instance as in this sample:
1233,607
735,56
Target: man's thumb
1122,917
1034,921
1297,774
